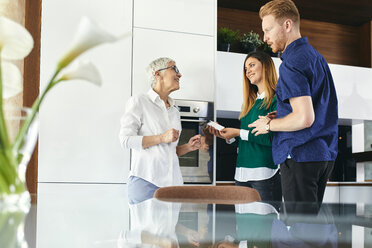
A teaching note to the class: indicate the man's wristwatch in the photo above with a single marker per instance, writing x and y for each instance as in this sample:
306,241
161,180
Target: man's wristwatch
267,127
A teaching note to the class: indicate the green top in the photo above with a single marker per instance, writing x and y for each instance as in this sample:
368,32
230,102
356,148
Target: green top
255,228
256,152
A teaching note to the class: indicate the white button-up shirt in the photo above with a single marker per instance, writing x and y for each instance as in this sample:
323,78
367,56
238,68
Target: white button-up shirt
147,115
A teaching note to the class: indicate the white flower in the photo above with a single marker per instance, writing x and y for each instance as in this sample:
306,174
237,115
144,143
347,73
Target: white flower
12,80
88,35
15,41
83,70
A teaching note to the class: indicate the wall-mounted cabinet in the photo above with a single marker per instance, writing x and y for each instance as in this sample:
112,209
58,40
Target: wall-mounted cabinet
186,16
79,122
353,86
194,55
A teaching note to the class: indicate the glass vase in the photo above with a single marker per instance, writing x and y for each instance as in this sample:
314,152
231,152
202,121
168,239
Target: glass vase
15,200
13,190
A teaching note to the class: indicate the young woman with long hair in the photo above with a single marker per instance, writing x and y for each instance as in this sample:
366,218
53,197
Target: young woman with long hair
255,167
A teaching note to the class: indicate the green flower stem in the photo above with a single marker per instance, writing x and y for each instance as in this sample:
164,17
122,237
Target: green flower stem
9,179
10,154
8,168
4,138
31,116
6,173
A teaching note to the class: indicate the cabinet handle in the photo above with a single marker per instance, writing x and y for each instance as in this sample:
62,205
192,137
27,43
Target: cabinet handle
190,120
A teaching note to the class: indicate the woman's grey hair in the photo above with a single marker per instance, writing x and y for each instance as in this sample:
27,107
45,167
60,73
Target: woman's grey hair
156,65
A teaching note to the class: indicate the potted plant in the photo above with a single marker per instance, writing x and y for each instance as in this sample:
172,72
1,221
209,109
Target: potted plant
250,42
225,37
267,49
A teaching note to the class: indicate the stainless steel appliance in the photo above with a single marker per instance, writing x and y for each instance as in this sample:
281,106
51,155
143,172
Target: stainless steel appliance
196,166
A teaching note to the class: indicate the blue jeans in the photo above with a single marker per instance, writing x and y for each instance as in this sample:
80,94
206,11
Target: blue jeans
140,190
269,189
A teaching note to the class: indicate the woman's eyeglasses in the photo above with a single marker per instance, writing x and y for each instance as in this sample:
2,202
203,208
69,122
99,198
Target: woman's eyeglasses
173,67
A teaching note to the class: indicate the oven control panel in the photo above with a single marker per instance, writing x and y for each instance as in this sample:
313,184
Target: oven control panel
190,108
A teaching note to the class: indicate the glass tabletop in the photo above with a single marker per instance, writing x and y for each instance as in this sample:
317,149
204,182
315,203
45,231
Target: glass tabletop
98,215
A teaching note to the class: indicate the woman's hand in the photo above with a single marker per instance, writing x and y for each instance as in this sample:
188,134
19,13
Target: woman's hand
214,131
169,136
229,133
194,142
272,115
193,237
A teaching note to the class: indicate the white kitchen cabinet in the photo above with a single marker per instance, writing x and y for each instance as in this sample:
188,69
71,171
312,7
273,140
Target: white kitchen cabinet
80,215
348,192
356,194
186,16
194,56
353,86
331,194
79,122
229,81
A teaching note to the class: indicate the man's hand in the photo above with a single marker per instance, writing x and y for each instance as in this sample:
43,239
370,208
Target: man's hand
169,136
260,125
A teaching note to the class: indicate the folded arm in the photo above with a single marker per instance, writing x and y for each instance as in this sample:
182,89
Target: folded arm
301,117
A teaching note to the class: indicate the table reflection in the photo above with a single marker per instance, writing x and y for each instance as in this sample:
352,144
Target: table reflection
99,216
154,222
256,224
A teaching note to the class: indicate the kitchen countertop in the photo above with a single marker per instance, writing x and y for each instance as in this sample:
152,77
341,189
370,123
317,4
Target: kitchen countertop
98,215
368,183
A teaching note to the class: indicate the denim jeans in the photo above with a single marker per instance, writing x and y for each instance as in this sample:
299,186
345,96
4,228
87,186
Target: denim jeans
269,189
140,190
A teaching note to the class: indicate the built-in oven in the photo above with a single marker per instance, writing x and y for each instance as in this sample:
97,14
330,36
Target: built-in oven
196,166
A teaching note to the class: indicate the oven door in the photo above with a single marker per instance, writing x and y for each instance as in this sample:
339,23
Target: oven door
196,166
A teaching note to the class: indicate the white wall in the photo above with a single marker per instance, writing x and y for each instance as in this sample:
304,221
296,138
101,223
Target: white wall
79,123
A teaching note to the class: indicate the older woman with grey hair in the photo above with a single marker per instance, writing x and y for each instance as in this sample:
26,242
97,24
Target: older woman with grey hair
151,127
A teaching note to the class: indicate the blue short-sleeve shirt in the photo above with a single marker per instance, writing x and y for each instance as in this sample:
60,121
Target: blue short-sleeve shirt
304,72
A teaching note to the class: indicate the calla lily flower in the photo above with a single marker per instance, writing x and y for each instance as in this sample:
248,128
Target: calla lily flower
87,36
12,80
15,41
84,70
